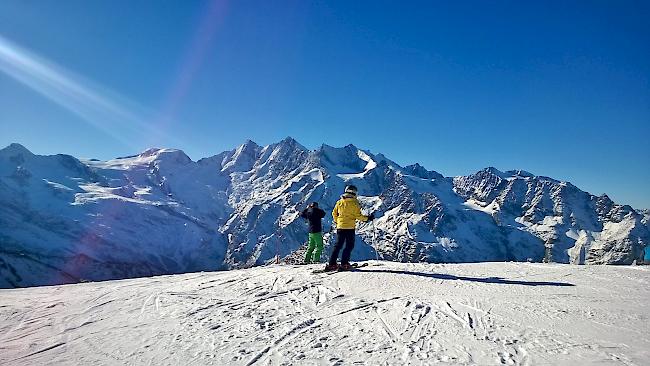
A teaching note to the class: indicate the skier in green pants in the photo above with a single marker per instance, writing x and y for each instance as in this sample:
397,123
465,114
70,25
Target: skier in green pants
314,215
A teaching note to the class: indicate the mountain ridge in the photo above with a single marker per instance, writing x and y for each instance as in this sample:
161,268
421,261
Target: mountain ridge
160,212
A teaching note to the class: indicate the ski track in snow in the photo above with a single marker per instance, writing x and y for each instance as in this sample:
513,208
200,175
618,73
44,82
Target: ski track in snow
384,314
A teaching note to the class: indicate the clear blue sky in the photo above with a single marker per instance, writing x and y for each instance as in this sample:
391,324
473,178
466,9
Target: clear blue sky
558,88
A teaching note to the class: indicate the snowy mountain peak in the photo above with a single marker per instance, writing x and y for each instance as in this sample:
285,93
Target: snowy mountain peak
240,159
421,172
175,155
347,162
15,149
288,140
493,171
520,173
164,156
150,152
248,148
289,143
149,157
250,144
483,185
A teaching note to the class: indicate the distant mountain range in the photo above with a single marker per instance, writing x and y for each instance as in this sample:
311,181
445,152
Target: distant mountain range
66,220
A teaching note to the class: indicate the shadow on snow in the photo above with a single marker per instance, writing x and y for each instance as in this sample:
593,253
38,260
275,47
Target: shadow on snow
497,280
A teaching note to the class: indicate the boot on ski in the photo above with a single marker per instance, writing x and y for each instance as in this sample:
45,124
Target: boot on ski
345,267
331,267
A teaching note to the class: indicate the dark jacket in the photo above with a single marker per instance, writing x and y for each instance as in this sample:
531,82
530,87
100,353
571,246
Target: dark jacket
314,215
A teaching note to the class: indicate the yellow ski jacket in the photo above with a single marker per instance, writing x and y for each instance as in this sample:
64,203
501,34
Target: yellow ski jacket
346,213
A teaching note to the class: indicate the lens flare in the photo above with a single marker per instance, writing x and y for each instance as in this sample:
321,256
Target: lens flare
107,111
199,46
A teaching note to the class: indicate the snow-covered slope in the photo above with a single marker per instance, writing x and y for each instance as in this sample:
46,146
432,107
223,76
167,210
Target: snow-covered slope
66,220
389,314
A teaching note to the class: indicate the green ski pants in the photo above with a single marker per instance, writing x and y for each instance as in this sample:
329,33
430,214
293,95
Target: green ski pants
315,242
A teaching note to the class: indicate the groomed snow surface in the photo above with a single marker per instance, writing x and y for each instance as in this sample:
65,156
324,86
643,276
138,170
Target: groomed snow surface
385,314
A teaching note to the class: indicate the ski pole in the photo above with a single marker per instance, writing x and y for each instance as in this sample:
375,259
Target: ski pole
374,239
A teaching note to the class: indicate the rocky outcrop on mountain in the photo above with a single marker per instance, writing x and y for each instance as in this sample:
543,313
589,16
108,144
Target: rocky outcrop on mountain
68,220
576,227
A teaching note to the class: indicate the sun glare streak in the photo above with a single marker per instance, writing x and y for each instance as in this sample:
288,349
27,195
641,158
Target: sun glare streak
102,109
201,43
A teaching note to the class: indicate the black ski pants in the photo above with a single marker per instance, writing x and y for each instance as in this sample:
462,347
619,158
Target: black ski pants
343,237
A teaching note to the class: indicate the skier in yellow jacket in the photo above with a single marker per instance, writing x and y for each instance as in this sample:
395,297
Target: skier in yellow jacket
345,214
